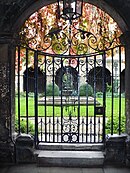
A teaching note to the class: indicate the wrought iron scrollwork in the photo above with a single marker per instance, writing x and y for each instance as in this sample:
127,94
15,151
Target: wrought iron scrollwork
70,130
69,38
57,40
60,41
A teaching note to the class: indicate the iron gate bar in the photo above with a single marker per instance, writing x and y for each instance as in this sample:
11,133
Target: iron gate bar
36,95
53,101
120,90
94,95
49,129
41,128
61,98
45,108
104,94
87,99
19,130
78,101
112,108
99,129
27,89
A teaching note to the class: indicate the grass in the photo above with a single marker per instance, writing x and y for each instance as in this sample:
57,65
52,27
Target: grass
72,110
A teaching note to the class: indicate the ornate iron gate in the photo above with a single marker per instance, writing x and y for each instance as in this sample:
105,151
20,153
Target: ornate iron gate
74,114
72,106
68,110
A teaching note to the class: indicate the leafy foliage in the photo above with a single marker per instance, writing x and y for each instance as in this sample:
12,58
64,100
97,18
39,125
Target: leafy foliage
50,92
115,125
86,89
23,126
99,94
109,88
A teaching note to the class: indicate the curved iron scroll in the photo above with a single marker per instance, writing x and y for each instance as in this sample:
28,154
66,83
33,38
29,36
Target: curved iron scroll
69,41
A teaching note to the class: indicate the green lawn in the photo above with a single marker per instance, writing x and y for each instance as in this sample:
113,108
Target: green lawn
72,110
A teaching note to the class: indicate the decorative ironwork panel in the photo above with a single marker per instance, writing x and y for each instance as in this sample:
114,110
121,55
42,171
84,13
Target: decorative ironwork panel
73,124
94,31
73,107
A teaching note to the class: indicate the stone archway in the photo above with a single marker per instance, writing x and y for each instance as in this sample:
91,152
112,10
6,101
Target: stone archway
9,51
28,77
39,4
99,72
61,72
51,1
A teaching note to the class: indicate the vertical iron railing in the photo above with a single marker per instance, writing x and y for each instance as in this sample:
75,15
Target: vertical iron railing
27,90
87,99
53,82
112,106
104,95
119,90
61,92
45,107
116,95
36,95
78,98
50,127
19,129
94,83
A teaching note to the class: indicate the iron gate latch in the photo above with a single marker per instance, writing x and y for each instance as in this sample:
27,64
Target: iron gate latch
99,110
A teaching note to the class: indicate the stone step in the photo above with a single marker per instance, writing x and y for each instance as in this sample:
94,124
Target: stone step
70,147
70,158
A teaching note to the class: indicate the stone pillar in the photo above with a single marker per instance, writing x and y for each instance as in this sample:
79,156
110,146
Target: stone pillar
127,85
25,149
125,39
128,152
127,96
115,150
6,144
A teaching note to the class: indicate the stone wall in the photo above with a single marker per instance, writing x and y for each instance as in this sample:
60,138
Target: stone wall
6,145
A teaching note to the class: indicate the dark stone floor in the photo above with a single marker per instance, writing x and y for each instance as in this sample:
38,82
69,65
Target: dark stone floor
32,168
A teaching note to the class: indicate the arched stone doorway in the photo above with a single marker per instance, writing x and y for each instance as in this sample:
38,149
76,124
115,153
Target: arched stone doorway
73,74
28,79
8,82
37,5
99,73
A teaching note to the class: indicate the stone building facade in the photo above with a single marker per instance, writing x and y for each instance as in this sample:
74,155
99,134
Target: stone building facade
13,13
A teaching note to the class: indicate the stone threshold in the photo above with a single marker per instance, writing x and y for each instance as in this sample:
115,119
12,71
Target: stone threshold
71,147
70,158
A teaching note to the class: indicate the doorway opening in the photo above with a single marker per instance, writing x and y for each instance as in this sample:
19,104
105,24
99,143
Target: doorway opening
80,64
